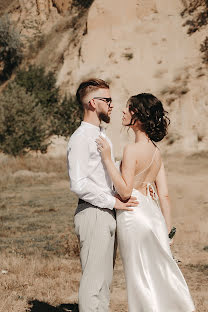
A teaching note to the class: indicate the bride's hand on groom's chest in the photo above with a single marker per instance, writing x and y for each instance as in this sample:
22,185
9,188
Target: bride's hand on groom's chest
103,147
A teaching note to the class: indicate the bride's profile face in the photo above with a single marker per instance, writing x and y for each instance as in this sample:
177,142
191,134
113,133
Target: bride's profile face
126,120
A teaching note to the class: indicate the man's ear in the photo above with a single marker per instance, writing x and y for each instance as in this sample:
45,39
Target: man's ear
92,105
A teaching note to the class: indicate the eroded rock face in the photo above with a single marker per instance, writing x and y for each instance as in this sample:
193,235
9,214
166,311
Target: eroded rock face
36,16
136,45
35,8
141,46
44,13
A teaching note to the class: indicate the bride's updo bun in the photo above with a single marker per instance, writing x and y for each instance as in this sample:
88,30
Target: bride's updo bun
146,108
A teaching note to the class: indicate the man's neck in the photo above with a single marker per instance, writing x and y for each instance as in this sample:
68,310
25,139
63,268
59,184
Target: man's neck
94,121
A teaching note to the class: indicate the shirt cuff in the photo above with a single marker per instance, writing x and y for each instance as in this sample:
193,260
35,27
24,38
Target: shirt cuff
112,203
105,201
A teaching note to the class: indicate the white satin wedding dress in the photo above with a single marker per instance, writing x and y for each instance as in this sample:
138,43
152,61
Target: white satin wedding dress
153,278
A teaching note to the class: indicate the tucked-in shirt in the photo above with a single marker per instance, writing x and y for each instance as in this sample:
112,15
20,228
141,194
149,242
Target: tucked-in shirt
88,176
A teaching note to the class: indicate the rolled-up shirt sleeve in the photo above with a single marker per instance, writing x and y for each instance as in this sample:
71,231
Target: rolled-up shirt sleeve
78,158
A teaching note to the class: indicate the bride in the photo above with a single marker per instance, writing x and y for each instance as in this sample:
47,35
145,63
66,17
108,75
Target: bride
154,280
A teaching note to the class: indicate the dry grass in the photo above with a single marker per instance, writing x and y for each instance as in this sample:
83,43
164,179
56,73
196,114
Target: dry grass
39,262
39,250
36,205
33,281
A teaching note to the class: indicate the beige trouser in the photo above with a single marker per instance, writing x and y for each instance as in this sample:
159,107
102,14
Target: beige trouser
95,228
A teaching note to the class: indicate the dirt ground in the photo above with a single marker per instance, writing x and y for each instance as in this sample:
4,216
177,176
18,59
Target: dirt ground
39,262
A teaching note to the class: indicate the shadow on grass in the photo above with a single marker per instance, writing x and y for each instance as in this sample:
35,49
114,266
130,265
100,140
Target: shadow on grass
39,306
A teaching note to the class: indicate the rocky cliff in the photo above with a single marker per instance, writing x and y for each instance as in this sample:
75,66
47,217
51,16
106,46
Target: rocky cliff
136,45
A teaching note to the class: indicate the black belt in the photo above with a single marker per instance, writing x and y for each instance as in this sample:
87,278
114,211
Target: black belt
83,202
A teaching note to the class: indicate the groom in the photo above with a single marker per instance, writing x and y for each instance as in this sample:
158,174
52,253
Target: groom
95,222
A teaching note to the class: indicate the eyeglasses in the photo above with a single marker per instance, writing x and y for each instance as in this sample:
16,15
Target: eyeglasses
108,101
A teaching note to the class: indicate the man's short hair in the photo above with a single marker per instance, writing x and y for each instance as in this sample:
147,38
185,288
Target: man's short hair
88,86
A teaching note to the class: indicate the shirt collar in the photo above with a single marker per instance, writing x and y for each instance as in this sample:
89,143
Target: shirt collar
91,126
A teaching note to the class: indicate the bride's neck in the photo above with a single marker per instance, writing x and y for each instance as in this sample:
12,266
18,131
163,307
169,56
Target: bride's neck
140,136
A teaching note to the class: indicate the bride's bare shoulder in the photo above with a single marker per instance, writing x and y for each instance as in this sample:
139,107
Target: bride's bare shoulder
145,150
129,147
129,150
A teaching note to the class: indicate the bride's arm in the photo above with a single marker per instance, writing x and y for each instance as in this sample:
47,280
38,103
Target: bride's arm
162,190
122,183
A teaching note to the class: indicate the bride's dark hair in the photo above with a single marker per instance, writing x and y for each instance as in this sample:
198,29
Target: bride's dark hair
146,108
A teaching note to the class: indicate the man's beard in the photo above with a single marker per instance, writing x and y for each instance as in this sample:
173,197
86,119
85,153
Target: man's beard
104,117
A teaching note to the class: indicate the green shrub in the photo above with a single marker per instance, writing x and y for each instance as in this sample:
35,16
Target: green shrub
82,3
204,49
31,110
198,18
62,116
67,116
22,125
128,56
10,48
197,11
42,85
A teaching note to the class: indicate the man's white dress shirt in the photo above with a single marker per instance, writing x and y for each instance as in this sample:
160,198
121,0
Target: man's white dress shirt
89,178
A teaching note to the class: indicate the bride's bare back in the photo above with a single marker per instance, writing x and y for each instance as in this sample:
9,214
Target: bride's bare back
142,163
148,163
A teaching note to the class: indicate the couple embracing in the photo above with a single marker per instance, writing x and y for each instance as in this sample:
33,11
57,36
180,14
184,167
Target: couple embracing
125,200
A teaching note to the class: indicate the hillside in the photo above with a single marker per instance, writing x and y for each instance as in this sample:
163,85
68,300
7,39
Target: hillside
138,46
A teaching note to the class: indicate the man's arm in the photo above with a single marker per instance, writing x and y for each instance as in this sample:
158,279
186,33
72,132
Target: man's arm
78,159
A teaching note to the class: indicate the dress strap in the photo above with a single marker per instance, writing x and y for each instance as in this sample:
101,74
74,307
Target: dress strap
149,164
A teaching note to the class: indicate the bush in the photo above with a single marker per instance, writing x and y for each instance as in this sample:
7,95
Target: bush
10,48
42,85
31,110
61,116
128,56
204,49
196,24
198,10
22,125
67,116
199,17
82,3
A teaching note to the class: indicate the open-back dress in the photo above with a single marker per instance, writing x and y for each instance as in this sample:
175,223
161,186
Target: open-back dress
154,280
